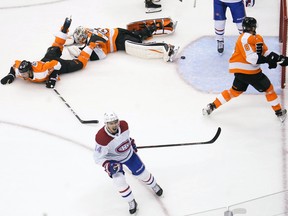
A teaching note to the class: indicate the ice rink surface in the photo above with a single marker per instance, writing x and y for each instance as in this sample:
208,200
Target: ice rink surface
46,163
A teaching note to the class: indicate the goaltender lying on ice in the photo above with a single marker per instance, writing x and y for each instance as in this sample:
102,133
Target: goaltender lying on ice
130,40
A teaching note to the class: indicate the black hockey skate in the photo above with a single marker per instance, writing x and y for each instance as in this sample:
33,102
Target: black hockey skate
158,190
220,47
208,109
151,7
281,114
133,206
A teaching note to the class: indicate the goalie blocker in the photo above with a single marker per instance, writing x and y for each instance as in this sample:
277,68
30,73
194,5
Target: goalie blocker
164,25
152,50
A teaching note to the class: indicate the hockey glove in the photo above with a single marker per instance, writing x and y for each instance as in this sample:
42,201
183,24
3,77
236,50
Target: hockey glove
113,167
250,3
9,78
66,25
133,145
272,60
51,82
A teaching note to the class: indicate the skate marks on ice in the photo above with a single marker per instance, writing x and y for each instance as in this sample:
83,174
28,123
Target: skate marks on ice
17,126
205,70
21,126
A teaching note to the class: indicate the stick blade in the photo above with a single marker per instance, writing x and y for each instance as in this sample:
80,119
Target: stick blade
216,136
89,121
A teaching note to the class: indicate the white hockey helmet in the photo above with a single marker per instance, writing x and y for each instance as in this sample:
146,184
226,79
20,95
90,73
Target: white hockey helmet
109,117
80,35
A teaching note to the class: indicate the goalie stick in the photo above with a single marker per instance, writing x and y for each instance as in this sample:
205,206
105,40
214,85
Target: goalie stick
185,144
82,121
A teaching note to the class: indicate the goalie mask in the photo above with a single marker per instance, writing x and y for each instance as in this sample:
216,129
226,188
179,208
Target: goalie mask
249,24
80,35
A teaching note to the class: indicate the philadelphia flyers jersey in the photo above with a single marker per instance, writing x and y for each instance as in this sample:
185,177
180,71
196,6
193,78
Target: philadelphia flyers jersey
41,70
113,147
244,58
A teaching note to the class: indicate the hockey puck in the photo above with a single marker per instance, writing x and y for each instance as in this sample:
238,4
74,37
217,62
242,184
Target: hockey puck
183,57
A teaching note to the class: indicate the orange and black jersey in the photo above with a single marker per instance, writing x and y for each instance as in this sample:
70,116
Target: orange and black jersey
41,70
244,58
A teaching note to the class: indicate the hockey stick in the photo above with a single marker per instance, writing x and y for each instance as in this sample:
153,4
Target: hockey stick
82,121
186,144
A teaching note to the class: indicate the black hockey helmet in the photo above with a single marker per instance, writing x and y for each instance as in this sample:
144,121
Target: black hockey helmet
249,24
25,66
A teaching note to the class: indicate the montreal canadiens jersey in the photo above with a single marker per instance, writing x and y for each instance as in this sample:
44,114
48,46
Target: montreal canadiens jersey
113,147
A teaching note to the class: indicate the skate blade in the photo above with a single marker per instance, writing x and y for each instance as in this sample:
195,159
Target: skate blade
153,10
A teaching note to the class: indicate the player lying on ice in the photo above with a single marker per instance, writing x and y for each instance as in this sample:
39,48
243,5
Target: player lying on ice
51,65
129,40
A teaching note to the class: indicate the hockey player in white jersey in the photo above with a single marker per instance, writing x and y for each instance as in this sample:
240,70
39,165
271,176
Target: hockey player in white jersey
115,148
237,9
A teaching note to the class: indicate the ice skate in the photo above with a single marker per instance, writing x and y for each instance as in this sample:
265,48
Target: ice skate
151,7
170,53
133,206
220,46
281,114
158,190
209,109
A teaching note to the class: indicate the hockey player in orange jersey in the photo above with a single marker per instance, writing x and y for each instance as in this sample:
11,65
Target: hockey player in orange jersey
129,40
249,53
51,65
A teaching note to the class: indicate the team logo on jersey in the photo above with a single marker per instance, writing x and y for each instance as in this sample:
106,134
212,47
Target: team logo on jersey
124,146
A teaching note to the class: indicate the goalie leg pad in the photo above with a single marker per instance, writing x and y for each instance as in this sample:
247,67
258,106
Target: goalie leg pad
164,25
145,50
151,50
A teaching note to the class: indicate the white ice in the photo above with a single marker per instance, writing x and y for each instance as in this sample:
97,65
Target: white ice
46,164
